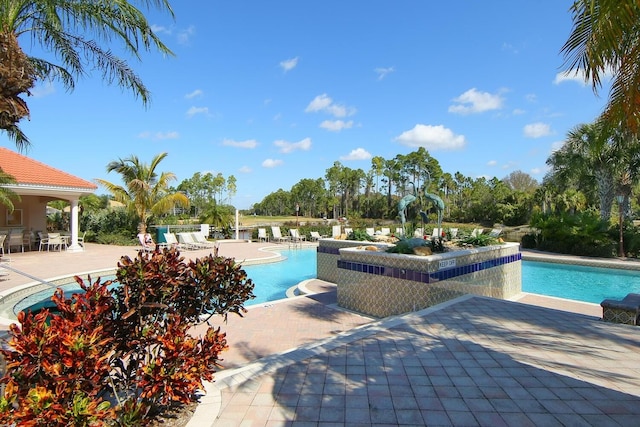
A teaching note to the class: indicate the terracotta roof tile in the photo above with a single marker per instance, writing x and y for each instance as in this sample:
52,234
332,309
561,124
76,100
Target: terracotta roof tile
29,171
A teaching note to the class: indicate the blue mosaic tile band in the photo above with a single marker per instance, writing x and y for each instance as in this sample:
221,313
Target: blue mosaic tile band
420,276
328,250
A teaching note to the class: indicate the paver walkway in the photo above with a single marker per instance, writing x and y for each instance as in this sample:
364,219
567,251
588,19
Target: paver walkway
472,361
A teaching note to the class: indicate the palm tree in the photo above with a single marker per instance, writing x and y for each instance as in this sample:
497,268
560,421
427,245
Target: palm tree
144,192
6,194
590,151
606,38
71,31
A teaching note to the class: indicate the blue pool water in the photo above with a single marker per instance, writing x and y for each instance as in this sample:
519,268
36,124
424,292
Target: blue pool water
577,282
271,280
589,284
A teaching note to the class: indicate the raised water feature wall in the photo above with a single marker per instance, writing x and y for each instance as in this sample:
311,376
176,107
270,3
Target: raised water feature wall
382,284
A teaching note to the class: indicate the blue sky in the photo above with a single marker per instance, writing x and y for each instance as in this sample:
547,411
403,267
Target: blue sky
274,92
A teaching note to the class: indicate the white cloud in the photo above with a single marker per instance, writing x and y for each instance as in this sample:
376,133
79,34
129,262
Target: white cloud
249,143
194,94
197,110
382,72
336,125
492,163
245,169
537,130
323,103
431,138
289,64
473,101
577,76
184,36
357,154
159,29
158,136
536,171
45,89
272,163
288,147
518,112
556,146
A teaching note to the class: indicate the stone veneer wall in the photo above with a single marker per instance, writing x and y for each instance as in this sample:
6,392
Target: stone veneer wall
329,254
383,284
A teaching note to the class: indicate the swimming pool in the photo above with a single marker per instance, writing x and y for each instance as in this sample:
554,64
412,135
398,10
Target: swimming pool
271,280
578,282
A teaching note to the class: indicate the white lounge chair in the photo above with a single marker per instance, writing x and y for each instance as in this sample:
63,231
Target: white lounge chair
172,241
336,231
476,232
262,235
296,237
419,232
385,231
453,232
496,232
200,239
437,232
187,242
315,236
277,235
399,232
370,231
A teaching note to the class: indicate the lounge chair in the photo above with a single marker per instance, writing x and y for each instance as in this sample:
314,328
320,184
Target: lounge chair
453,233
370,231
385,231
296,237
199,239
476,232
336,231
277,235
399,232
315,236
437,232
262,235
496,232
146,242
419,232
348,231
172,241
187,240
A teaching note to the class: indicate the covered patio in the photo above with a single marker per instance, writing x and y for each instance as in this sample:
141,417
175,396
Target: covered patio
37,184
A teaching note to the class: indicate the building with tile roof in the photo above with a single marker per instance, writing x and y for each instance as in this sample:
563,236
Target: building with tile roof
37,184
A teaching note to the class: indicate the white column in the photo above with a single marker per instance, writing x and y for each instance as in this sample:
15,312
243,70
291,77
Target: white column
74,246
237,225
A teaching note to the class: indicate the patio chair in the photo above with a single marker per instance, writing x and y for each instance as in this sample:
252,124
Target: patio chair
399,232
296,237
419,232
187,241
453,232
476,232
55,241
385,231
437,232
262,235
277,234
496,232
348,231
370,231
15,239
199,239
315,236
336,231
81,240
172,241
43,241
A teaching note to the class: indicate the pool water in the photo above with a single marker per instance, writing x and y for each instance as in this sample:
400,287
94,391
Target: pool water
577,282
271,280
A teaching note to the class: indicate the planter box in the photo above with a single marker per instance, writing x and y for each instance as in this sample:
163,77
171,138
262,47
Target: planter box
382,284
